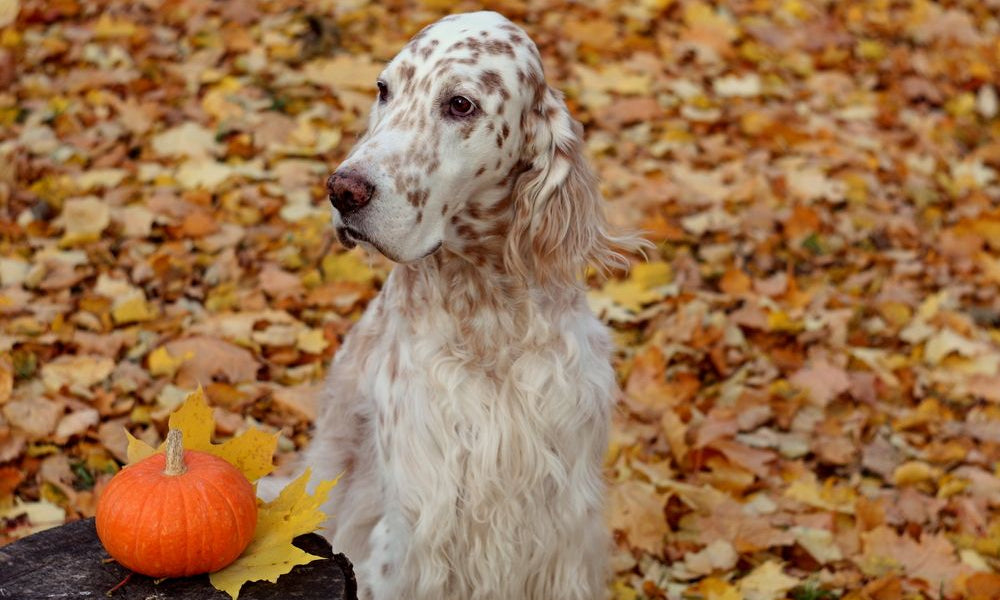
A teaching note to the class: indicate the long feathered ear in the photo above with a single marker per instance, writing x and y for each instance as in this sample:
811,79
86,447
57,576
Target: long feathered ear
559,225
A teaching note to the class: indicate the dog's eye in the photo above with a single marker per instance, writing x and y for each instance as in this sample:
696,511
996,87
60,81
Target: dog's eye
383,91
460,106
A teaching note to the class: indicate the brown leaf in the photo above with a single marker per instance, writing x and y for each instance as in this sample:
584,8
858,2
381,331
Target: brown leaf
301,399
36,417
112,436
983,586
822,381
278,283
211,360
747,532
10,478
754,460
12,443
720,423
6,378
637,511
735,282
930,559
75,423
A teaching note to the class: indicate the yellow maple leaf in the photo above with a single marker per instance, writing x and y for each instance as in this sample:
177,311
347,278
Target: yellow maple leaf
161,362
713,588
347,266
621,591
250,452
271,553
644,286
766,582
134,309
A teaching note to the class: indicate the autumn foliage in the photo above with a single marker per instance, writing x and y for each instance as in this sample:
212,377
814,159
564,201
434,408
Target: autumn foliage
809,357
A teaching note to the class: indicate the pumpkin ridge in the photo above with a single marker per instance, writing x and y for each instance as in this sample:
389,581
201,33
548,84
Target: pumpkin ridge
136,538
204,499
207,493
120,489
232,510
187,526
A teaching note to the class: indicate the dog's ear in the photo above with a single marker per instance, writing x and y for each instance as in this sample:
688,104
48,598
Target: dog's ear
558,225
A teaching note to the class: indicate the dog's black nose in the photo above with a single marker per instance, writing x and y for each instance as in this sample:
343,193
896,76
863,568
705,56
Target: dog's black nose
349,191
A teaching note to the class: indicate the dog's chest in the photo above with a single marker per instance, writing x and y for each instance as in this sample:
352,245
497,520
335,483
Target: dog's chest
445,415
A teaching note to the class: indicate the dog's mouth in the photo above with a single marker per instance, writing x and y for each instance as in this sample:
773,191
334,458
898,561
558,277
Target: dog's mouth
351,237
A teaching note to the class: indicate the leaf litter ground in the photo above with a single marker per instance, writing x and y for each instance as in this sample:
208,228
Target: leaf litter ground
809,359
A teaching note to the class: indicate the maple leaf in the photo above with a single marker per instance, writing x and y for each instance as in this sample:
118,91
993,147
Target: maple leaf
646,284
348,266
271,553
250,452
638,511
83,220
822,381
766,582
713,588
931,559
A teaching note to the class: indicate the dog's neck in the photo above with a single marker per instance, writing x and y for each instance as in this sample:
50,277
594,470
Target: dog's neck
489,310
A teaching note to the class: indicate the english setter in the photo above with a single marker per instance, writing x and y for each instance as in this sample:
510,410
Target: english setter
469,406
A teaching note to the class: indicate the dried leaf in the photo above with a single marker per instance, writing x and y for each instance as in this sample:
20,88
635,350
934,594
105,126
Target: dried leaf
211,360
931,558
637,510
251,452
767,582
271,553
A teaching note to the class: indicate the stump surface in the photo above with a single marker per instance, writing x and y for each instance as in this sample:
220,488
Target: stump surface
69,562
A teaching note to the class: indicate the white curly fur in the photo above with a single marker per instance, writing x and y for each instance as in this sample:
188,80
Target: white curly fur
469,406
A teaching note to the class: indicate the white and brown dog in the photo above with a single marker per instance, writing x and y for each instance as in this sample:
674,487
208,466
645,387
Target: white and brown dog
469,406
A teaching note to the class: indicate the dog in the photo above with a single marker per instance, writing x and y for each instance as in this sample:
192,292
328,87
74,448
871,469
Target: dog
468,409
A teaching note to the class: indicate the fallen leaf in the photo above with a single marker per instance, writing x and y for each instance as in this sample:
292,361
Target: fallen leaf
76,372
202,173
36,417
766,582
251,452
211,359
717,556
271,553
41,515
349,266
713,588
819,543
637,511
76,423
162,363
931,559
83,219
6,378
822,381
188,139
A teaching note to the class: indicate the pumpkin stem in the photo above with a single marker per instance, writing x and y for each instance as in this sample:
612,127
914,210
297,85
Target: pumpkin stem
175,453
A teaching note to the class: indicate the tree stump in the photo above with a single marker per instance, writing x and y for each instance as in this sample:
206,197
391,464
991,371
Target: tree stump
69,562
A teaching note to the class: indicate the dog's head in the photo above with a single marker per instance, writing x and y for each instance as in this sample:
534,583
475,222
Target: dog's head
467,148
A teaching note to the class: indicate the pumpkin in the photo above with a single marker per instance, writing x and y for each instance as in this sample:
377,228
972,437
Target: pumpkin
177,514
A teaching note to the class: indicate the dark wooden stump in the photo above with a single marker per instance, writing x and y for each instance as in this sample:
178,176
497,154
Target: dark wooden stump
69,562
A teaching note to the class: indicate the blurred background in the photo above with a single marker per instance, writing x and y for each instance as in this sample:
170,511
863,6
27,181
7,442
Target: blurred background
809,358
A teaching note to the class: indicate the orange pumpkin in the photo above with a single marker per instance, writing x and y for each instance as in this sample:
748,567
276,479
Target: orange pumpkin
177,514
